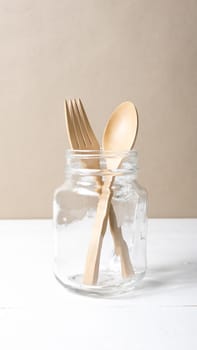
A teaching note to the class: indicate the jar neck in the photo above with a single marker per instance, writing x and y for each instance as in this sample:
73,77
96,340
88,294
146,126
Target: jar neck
101,163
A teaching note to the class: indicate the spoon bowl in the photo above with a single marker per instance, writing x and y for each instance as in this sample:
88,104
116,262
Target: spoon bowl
121,131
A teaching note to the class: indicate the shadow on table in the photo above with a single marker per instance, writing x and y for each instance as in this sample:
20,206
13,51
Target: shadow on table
165,279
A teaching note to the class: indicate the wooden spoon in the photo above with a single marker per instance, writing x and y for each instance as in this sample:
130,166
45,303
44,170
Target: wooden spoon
119,135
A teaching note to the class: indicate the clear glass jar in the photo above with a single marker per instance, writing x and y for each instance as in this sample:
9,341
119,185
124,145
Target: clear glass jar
121,259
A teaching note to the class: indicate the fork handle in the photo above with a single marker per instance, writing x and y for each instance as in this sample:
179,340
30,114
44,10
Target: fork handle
121,248
105,209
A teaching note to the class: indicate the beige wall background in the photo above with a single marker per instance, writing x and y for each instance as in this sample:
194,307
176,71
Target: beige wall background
104,51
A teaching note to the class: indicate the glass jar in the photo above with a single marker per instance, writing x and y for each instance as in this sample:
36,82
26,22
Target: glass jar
94,197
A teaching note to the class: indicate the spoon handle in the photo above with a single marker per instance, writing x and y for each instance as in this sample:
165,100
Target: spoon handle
94,249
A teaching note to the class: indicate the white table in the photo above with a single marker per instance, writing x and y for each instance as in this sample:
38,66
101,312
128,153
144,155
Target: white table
36,312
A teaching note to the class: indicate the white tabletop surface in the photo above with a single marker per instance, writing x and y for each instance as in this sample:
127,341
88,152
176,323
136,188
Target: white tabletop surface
36,312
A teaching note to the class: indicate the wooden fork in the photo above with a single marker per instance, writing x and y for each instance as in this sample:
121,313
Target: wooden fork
82,137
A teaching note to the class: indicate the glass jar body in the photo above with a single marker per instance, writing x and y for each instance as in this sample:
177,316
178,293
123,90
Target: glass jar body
122,257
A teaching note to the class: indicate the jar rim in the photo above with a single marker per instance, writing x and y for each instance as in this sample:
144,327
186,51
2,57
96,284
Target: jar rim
76,153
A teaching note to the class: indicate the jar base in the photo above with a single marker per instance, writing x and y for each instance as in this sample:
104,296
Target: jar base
109,285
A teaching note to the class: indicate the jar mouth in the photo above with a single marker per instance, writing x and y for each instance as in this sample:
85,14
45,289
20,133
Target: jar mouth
101,162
